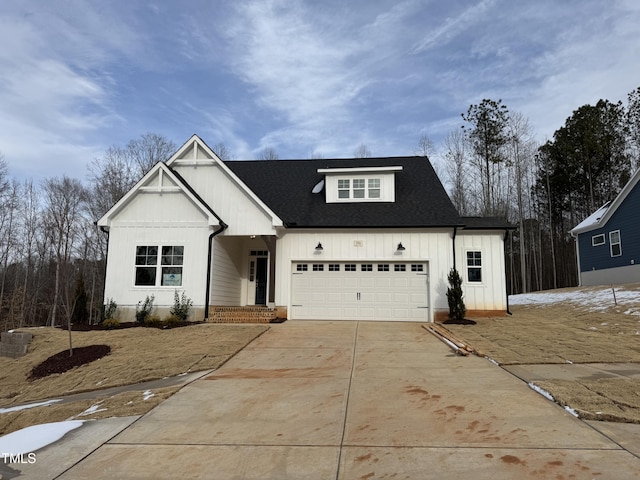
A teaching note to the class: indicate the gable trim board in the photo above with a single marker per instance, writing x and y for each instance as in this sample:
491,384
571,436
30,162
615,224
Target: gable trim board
280,210
616,222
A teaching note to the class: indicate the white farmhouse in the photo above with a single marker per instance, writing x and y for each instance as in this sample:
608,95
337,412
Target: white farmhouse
341,239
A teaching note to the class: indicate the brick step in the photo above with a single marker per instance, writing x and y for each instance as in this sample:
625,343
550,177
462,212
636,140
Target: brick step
250,314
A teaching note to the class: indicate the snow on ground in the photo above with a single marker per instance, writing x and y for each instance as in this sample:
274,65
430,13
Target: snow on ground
30,405
93,409
34,438
594,298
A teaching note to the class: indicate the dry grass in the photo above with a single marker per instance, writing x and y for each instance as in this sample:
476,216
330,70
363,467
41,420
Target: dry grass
137,355
562,332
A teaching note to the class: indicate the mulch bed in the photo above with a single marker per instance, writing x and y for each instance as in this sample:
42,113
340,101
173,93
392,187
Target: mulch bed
62,361
464,321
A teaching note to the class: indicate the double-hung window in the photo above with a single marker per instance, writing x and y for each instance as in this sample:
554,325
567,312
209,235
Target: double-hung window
615,244
172,257
359,188
474,266
167,271
146,265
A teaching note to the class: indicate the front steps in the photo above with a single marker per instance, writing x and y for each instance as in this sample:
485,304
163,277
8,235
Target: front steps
249,314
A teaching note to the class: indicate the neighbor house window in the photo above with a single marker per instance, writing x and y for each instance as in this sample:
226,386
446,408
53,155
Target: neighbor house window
172,257
146,265
597,240
170,265
614,242
474,266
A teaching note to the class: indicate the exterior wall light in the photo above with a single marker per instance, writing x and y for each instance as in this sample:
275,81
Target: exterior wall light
319,247
400,247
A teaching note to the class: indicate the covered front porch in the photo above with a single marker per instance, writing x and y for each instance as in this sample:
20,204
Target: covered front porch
242,286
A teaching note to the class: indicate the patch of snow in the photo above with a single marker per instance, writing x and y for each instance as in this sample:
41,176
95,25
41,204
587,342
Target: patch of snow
604,324
593,328
93,409
492,361
34,438
147,395
10,331
30,405
595,299
571,411
541,391
568,361
101,381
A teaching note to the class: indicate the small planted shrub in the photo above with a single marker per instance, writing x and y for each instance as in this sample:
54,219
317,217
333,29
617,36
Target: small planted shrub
111,323
457,309
153,321
144,308
172,321
110,309
181,306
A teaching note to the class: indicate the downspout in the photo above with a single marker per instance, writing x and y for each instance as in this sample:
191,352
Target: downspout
223,227
104,275
506,291
455,231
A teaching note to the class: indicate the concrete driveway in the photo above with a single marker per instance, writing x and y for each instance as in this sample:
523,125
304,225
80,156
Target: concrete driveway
355,400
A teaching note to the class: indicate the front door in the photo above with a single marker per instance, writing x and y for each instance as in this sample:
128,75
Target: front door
261,281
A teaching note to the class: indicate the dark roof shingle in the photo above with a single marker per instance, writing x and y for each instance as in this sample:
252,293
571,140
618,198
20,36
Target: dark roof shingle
285,186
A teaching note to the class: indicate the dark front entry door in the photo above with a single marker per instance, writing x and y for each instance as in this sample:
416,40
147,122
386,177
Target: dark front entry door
261,281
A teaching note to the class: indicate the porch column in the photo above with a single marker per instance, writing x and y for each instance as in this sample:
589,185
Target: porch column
270,242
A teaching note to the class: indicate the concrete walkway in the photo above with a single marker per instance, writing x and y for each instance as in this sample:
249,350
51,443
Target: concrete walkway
352,400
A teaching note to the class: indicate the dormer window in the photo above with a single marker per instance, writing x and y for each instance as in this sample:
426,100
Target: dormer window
360,184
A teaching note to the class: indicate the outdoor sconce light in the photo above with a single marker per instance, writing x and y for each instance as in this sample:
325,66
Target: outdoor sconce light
400,247
319,247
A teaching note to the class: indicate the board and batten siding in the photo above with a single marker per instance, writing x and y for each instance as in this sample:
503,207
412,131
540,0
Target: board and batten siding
226,276
433,247
158,219
490,293
233,205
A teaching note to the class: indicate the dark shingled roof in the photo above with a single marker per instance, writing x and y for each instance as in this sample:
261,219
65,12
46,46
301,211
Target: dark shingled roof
486,223
285,186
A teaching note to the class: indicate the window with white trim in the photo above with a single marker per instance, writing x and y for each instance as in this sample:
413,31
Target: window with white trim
474,266
597,240
615,243
170,265
344,188
172,259
359,188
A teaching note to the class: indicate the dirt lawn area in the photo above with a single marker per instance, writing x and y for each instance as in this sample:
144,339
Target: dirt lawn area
579,325
137,355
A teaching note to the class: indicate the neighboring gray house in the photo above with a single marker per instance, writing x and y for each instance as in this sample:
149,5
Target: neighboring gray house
608,241
340,239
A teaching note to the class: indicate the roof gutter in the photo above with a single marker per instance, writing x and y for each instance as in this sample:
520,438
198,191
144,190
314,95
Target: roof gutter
223,227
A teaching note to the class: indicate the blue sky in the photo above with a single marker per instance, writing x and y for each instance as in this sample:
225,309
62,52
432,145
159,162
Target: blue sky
303,77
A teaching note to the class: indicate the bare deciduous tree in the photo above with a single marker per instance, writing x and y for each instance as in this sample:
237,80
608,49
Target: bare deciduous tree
269,153
362,151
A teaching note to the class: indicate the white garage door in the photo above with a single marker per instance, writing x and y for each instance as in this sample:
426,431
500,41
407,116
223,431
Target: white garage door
359,291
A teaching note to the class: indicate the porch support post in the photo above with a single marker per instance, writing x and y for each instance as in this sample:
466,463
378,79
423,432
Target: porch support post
270,242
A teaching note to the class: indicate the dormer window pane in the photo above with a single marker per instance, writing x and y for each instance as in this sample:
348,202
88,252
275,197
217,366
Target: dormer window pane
358,188
374,188
343,188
